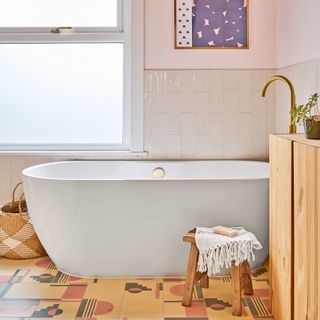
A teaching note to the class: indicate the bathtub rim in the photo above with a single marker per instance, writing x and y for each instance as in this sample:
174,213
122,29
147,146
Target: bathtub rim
27,172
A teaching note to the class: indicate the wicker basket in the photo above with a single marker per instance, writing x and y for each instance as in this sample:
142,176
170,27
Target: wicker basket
18,239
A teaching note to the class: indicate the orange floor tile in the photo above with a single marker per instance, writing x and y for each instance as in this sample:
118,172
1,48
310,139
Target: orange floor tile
35,289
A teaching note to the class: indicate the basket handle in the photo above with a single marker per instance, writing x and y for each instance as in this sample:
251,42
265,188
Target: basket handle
19,204
14,191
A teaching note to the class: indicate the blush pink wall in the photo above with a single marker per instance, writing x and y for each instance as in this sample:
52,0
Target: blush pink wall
298,31
159,41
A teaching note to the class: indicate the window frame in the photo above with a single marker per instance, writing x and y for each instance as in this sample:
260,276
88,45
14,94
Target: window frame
130,32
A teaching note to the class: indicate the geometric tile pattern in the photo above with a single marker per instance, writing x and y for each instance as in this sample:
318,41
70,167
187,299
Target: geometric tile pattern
35,289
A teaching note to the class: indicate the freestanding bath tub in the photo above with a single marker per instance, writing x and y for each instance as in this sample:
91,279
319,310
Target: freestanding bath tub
121,218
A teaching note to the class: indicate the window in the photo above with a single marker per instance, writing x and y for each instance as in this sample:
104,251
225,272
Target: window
67,71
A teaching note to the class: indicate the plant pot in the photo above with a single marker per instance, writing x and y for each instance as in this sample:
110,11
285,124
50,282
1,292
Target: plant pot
312,127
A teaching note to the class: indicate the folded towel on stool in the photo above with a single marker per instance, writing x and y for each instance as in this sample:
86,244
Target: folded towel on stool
217,251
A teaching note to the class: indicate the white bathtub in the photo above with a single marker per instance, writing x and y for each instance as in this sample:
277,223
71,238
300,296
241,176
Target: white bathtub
114,218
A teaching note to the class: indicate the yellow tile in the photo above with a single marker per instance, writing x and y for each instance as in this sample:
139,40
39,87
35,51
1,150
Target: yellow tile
260,285
139,307
12,265
225,314
143,318
54,292
105,289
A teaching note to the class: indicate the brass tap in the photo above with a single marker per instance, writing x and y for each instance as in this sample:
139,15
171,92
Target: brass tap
292,127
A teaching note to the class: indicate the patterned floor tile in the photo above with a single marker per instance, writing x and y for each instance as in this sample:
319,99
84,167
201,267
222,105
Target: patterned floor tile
56,310
173,290
133,307
112,288
35,289
176,310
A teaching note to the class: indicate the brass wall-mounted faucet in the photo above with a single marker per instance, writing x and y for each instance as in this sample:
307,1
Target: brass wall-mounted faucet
292,127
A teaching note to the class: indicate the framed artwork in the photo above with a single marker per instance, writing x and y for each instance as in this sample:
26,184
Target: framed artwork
212,24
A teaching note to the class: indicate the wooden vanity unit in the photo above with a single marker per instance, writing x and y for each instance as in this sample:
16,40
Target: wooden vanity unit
294,227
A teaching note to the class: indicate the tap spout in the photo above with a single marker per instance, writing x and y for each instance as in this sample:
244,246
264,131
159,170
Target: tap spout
292,126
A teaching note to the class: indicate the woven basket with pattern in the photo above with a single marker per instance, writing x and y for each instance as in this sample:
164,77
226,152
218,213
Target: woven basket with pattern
18,239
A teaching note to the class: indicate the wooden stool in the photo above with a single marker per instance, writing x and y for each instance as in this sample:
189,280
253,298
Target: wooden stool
240,278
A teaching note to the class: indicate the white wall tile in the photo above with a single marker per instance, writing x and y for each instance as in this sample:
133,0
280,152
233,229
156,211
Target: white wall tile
244,80
245,146
245,124
159,146
216,101
188,124
230,80
203,145
231,146
148,116
173,146
173,102
271,99
217,136
259,146
158,124
244,101
202,79
202,102
259,114
5,190
188,102
188,79
188,146
203,123
271,123
259,77
173,123
148,81
147,141
173,79
173,115
5,166
205,109
230,112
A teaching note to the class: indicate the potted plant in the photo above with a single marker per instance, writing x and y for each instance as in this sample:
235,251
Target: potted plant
301,114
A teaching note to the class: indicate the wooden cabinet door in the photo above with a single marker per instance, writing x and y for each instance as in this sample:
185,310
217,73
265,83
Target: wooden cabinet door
306,232
281,213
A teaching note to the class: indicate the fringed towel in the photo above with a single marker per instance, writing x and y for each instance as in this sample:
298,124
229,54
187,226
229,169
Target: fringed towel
216,251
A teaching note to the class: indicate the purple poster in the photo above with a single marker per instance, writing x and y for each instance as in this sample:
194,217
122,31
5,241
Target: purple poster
212,24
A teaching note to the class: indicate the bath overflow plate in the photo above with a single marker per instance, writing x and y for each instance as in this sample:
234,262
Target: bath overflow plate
159,173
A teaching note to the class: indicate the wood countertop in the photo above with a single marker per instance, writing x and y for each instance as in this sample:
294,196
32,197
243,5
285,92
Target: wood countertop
301,138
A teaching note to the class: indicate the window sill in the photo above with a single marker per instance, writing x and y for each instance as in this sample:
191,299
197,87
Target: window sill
77,154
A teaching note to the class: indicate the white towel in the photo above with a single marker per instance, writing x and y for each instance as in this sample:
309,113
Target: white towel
217,251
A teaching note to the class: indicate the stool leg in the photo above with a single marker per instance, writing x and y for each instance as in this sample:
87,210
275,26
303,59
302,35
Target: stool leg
236,290
246,278
204,282
191,276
